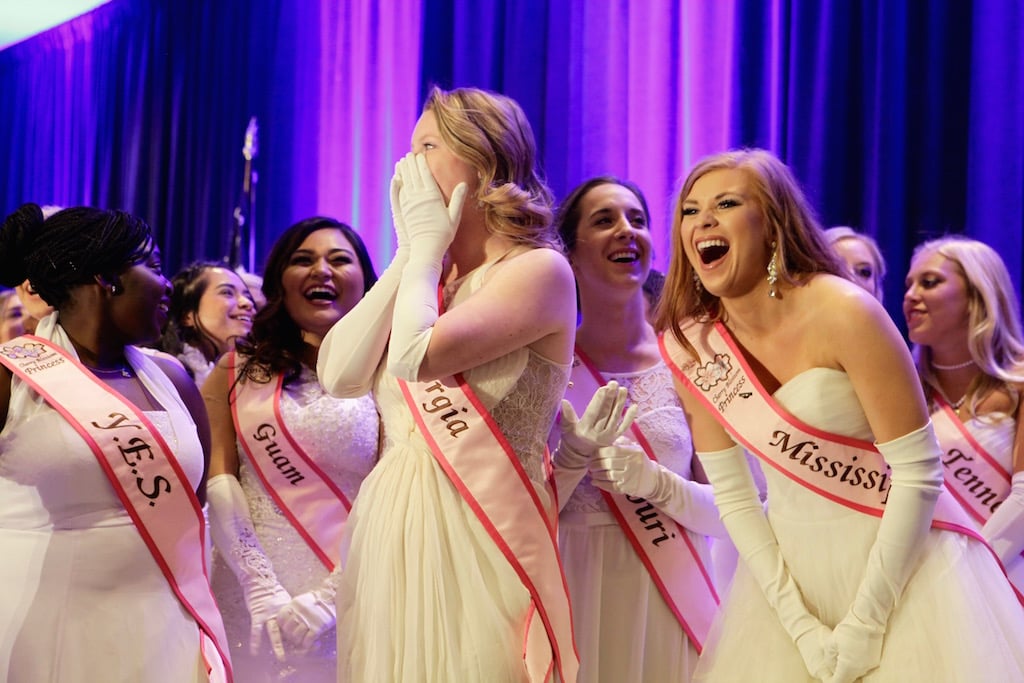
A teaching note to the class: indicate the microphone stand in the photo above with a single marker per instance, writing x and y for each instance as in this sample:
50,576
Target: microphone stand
242,232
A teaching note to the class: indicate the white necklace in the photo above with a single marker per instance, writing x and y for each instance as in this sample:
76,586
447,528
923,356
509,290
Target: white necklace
956,366
956,404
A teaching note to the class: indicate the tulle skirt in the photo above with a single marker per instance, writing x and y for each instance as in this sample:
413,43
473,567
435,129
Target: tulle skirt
426,594
624,629
957,621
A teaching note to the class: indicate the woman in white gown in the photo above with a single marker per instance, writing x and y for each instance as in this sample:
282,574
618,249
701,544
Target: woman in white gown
964,319
450,570
272,572
846,578
82,596
625,628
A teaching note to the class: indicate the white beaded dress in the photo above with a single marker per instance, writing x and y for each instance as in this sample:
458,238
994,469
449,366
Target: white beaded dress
425,594
957,620
624,629
81,598
340,435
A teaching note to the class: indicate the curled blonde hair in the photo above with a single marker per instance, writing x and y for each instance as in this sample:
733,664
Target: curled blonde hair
491,133
801,247
994,338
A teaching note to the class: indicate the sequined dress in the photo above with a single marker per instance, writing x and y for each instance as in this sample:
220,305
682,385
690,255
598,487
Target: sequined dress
426,595
340,435
957,620
81,597
624,629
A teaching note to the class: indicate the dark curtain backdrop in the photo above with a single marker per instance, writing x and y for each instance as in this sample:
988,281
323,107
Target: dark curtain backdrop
904,119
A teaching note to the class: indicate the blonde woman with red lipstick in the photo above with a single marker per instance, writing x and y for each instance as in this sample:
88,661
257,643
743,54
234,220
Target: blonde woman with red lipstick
287,460
964,320
860,562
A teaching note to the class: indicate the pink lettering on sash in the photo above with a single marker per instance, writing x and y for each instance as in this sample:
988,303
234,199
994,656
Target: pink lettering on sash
972,475
847,471
143,472
663,546
476,456
307,497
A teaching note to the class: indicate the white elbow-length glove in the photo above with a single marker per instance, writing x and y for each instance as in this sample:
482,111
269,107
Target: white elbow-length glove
603,421
353,347
233,534
430,226
744,517
916,483
1004,530
309,615
625,468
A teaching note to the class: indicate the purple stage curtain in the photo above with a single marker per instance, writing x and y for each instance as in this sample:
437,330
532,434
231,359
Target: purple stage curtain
904,119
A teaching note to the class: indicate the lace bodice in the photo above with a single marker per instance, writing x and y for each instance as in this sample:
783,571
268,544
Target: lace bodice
338,434
660,418
522,391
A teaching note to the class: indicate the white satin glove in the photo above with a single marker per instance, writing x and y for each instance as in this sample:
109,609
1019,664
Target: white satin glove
309,615
233,534
625,468
352,349
430,226
916,483
602,423
743,516
1004,530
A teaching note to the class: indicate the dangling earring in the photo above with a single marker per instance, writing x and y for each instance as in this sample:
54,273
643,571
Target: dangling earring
773,273
114,289
697,285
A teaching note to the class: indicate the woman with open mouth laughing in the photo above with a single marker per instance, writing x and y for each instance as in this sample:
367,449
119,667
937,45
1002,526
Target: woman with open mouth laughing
863,562
287,460
635,510
211,307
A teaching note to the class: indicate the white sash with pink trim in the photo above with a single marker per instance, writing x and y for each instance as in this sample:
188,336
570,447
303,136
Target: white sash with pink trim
975,478
480,463
143,472
664,547
847,471
307,497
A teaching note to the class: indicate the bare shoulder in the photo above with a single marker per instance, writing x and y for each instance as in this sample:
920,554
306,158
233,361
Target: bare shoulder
177,373
531,265
839,306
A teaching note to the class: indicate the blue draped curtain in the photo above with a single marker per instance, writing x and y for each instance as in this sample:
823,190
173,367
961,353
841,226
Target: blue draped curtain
904,119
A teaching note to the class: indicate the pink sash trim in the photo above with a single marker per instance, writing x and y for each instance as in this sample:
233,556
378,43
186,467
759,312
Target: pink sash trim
977,470
144,474
975,463
818,460
671,559
307,497
466,442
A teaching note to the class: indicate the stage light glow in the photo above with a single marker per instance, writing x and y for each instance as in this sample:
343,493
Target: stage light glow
21,20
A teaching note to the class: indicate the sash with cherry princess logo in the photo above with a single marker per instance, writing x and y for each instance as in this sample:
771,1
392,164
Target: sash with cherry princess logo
663,546
847,471
307,497
471,449
143,472
972,475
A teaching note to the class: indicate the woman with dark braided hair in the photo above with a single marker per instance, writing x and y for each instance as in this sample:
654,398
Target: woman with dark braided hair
287,459
103,452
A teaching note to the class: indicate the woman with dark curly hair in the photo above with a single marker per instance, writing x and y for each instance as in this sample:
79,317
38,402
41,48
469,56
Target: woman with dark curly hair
287,459
104,452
